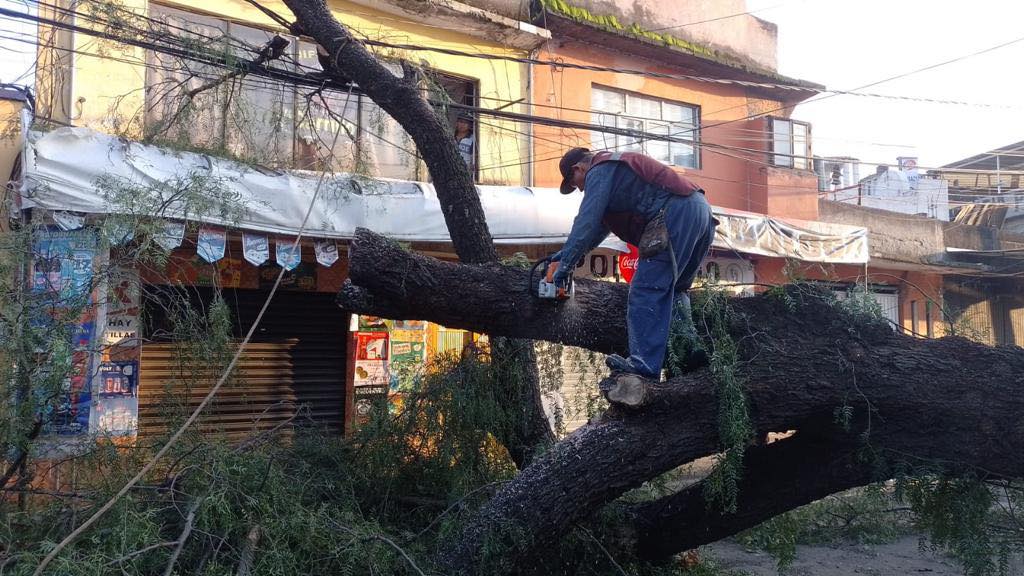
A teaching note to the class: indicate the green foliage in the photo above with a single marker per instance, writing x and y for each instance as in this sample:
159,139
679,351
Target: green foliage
977,522
869,515
713,317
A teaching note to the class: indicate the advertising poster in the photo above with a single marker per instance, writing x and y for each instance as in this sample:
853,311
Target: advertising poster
226,273
371,366
71,414
62,269
409,324
82,332
367,399
372,346
303,277
408,352
117,403
372,323
118,379
62,262
117,416
122,327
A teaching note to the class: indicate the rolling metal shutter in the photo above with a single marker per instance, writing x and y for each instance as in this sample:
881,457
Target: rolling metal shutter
291,374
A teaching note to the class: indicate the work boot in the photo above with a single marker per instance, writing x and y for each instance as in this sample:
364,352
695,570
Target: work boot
617,363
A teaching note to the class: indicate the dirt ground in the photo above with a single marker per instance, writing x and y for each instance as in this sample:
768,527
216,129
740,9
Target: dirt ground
899,558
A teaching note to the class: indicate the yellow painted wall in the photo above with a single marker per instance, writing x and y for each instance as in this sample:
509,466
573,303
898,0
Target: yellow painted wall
12,140
108,92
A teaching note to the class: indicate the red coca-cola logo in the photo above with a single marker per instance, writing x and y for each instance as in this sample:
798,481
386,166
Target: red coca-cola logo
627,263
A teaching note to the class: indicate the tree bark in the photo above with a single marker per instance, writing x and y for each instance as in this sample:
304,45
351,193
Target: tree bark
776,478
387,280
951,403
463,213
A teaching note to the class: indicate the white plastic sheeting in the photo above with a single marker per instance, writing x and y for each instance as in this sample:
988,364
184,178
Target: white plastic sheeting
63,166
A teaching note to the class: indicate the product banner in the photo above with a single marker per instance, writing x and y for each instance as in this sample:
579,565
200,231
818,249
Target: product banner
255,248
289,254
326,252
211,244
123,300
171,236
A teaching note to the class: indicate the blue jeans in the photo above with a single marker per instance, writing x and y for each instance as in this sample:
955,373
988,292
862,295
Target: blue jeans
661,283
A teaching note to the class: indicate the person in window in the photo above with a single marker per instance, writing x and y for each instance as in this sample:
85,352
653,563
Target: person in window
623,192
466,140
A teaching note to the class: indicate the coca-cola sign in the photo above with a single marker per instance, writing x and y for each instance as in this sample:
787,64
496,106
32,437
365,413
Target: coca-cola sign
627,263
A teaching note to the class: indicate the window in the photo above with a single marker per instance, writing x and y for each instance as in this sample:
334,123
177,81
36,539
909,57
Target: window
646,115
271,123
791,143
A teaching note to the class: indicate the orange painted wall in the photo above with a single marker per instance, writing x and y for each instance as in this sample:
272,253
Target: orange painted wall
732,179
915,288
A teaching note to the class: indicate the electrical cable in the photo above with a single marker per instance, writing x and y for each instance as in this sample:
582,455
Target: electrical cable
298,79
561,64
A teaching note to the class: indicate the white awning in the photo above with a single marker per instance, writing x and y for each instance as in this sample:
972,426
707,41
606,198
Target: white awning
62,169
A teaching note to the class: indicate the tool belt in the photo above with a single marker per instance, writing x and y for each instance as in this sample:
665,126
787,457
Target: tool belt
654,239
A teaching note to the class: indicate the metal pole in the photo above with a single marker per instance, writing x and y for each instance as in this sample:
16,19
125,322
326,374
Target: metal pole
999,179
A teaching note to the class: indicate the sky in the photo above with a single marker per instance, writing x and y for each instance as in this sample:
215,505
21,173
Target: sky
845,44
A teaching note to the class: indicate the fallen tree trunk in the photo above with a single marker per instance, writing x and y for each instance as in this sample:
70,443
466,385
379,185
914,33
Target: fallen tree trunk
950,402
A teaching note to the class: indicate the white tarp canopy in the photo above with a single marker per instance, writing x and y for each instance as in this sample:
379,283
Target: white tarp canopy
62,169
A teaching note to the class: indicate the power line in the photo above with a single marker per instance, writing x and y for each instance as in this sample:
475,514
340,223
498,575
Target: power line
875,83
646,73
321,82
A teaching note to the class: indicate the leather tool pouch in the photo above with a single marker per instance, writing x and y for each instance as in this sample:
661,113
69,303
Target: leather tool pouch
654,240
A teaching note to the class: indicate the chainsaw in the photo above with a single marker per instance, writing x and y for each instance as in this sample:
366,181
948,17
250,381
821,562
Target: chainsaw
547,289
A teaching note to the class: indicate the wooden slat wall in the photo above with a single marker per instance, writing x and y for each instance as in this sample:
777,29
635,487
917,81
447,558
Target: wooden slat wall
294,368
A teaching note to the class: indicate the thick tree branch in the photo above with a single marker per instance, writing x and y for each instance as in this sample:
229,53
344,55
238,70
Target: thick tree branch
801,355
776,478
389,281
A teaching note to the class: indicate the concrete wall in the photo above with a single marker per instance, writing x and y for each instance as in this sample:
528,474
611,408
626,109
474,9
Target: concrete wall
748,37
892,237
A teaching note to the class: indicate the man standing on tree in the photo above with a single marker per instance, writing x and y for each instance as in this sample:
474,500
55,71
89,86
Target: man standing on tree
665,215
